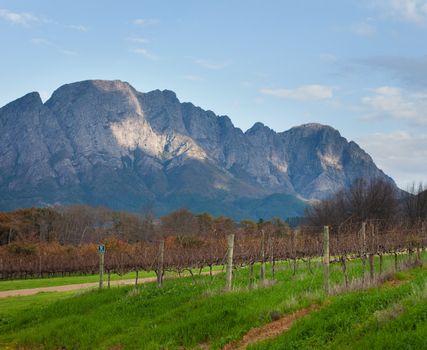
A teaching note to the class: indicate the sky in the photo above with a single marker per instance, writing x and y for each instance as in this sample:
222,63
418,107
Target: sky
359,66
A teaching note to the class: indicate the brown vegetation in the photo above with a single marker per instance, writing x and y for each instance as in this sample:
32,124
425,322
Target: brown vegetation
366,220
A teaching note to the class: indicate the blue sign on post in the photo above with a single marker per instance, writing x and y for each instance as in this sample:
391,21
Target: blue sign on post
101,248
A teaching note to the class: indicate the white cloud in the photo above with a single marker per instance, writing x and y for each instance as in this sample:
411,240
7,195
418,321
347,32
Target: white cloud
77,27
22,18
306,92
414,11
138,40
26,19
327,57
52,45
67,52
401,154
208,64
363,29
411,71
145,53
41,41
191,77
145,21
392,103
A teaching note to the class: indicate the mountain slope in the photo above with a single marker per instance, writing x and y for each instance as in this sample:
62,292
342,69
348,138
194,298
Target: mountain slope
104,143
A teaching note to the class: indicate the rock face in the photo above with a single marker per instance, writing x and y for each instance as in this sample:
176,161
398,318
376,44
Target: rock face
104,143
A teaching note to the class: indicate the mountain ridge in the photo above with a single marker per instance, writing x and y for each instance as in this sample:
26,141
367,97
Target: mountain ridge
104,143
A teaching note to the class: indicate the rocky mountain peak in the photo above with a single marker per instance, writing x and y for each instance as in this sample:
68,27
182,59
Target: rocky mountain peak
28,101
21,113
102,142
258,127
31,99
312,129
95,85
169,95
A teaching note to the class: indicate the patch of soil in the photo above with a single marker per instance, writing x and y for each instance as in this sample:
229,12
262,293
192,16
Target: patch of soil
270,330
393,283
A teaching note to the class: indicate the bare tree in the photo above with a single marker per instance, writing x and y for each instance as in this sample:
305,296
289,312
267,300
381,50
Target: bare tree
363,200
414,206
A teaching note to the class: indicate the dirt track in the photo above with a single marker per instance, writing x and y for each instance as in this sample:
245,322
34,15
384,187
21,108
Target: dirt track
71,287
270,330
77,286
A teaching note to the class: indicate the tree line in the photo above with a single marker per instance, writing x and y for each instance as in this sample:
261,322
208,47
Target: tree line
82,224
365,220
371,200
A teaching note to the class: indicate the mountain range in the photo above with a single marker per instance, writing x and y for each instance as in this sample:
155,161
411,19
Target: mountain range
103,143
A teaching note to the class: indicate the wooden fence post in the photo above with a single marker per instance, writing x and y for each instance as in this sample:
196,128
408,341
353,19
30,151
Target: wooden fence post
371,267
262,271
343,260
160,266
326,258
424,235
229,270
363,251
251,275
101,269
371,254
294,251
396,267
419,245
40,266
272,258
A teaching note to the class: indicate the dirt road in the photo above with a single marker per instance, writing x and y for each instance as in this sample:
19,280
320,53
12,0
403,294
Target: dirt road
71,287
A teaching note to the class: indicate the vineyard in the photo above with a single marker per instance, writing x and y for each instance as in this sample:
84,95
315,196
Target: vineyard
363,240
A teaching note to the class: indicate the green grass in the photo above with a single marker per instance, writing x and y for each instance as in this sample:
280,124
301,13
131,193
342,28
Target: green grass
380,318
184,314
15,306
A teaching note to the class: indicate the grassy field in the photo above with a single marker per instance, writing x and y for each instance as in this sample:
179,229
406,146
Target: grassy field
11,307
197,313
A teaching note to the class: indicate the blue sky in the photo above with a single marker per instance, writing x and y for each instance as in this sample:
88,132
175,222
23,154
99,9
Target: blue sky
359,66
